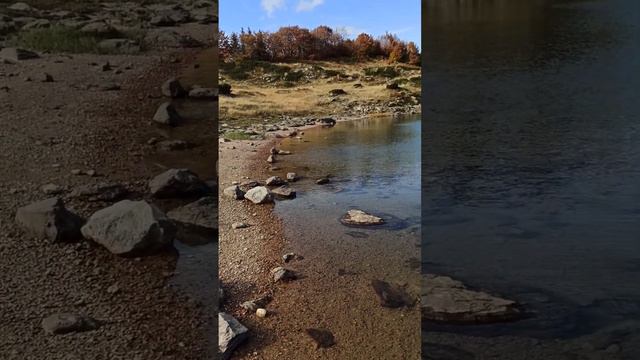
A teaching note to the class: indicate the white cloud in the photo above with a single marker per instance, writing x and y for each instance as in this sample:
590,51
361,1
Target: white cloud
349,31
272,5
308,5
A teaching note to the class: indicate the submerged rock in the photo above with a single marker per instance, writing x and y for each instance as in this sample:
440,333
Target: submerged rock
284,192
447,300
231,333
323,181
51,220
130,228
64,323
197,222
392,295
359,217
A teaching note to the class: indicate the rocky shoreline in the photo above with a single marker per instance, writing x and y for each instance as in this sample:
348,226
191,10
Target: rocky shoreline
80,137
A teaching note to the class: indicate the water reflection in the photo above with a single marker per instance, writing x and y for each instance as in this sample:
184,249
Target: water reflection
532,145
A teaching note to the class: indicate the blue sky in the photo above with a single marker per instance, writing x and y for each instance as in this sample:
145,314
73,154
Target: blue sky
353,16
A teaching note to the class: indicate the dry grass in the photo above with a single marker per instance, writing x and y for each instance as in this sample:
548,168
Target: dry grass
253,101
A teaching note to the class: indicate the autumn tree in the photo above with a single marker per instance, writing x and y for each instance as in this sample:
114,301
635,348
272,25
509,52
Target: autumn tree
364,46
413,55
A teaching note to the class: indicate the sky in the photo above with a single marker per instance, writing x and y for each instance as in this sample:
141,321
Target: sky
375,17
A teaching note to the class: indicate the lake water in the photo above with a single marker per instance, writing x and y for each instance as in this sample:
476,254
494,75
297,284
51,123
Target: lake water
532,158
374,165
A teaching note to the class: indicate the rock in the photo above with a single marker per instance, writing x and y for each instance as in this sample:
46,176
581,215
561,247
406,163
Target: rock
101,192
174,145
292,176
167,115
337,92
322,338
249,184
282,274
173,89
327,122
119,46
176,183
447,300
99,28
392,86
197,222
273,151
284,192
261,313
288,257
391,295
64,323
21,7
234,192
231,333
359,217
203,93
323,181
130,228
239,225
224,89
46,77
113,289
271,159
51,220
250,306
259,195
275,181
52,189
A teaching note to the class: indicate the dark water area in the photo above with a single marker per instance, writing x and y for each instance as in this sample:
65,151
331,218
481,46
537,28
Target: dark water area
531,167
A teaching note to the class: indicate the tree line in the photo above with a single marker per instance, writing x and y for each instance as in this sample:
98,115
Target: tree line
293,43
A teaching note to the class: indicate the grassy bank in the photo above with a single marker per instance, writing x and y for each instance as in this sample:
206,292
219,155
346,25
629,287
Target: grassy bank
267,91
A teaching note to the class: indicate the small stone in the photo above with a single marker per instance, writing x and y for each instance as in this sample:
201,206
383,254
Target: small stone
274,181
271,159
91,173
322,338
51,220
261,313
76,172
234,192
113,289
52,189
64,323
359,217
259,195
231,333
323,181
282,274
288,257
167,115
239,225
292,176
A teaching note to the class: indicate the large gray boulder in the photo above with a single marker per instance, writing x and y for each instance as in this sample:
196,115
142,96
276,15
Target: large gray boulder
63,323
176,183
259,195
167,115
447,300
130,228
197,222
50,219
231,333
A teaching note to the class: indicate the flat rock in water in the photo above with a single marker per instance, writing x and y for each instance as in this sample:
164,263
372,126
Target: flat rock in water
51,220
392,295
231,333
101,192
322,338
234,192
176,183
198,221
64,323
167,115
284,192
130,228
259,195
359,217
447,300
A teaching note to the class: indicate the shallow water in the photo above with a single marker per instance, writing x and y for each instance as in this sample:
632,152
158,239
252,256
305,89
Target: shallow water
374,165
532,155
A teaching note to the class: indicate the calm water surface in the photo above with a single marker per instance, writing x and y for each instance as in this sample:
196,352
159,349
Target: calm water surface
532,157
